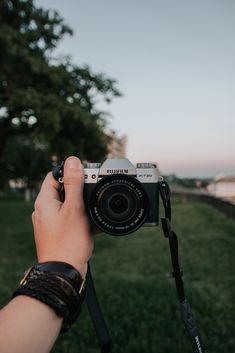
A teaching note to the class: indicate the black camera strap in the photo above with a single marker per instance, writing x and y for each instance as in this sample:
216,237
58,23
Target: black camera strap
185,309
91,297
96,314
187,316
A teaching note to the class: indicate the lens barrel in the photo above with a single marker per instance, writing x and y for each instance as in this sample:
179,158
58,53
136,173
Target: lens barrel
118,205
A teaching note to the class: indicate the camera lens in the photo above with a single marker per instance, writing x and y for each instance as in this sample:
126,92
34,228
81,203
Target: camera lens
118,204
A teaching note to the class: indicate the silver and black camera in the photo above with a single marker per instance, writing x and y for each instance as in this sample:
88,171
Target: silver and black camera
120,197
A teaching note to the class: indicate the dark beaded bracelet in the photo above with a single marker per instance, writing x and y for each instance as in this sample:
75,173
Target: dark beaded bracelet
57,284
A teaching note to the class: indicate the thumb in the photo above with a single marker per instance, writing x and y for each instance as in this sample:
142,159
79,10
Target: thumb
73,181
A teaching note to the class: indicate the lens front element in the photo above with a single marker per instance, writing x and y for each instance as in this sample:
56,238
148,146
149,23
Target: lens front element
118,205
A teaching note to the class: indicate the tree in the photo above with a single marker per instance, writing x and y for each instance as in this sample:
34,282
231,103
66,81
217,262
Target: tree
43,95
26,160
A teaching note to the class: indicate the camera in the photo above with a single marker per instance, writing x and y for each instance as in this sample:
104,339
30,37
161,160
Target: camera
120,197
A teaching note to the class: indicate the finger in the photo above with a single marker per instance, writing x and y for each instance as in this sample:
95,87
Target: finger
50,188
73,181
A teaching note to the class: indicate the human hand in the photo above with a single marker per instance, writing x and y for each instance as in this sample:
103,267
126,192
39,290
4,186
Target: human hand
61,230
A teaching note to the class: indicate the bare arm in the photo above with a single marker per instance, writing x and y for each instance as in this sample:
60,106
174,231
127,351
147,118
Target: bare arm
61,233
27,325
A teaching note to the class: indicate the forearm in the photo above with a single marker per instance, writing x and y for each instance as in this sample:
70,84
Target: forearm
62,236
28,326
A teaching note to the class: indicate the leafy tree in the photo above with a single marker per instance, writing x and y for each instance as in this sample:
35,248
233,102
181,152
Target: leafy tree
28,159
45,96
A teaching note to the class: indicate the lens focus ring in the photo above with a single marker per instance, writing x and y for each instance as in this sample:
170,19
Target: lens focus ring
118,204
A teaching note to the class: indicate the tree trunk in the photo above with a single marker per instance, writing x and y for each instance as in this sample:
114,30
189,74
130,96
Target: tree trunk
3,141
28,195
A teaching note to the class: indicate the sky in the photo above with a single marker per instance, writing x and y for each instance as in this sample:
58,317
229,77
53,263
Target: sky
175,65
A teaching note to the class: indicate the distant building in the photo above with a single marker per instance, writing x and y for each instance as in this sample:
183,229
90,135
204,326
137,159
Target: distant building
116,145
223,187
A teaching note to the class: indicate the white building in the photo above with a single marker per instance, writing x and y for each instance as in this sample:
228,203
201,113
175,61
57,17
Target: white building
223,187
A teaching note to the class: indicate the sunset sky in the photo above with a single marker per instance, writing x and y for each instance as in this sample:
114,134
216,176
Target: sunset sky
175,64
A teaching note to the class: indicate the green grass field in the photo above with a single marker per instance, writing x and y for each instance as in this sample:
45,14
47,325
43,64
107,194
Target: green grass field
134,282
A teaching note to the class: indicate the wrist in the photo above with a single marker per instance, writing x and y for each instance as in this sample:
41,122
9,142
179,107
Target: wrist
57,284
81,268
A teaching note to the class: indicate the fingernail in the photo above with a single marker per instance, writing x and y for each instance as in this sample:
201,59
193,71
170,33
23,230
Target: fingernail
73,163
